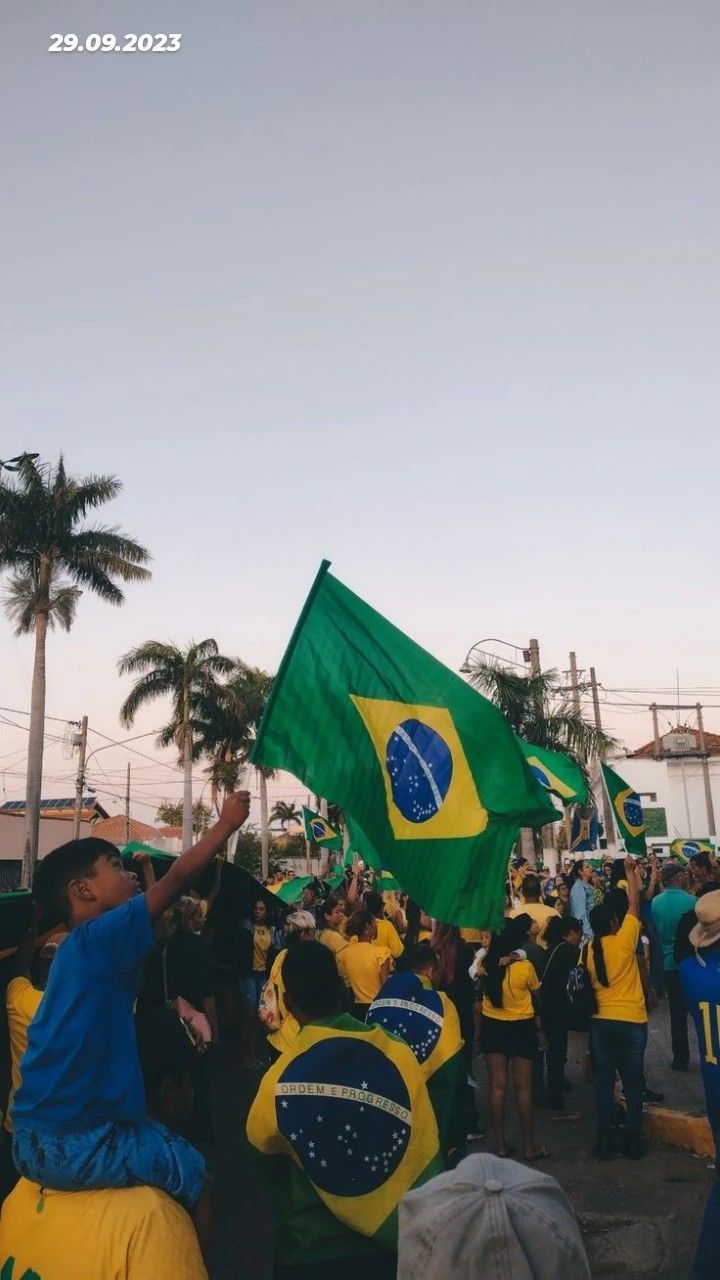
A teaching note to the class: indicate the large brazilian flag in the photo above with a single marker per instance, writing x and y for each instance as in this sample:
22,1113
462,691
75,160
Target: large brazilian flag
627,810
347,1104
557,772
429,768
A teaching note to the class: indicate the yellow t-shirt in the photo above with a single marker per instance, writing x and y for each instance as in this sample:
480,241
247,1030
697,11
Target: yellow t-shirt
132,1233
424,935
539,912
471,935
519,981
623,999
360,966
262,938
23,1001
282,1039
333,940
388,936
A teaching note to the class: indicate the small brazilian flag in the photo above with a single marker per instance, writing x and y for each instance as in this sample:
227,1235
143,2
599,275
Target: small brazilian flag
429,768
319,831
686,849
627,809
557,772
348,1106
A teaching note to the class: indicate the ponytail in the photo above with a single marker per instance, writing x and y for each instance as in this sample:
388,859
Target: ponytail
602,920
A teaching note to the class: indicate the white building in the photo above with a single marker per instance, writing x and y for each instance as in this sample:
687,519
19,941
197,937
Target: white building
672,785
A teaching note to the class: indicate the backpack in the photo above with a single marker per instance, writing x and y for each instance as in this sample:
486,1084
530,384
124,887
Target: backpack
582,1001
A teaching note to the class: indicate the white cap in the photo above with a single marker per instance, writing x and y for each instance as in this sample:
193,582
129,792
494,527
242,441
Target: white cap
490,1218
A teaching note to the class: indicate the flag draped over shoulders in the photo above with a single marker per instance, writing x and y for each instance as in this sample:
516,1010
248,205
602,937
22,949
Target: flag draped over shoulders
348,1105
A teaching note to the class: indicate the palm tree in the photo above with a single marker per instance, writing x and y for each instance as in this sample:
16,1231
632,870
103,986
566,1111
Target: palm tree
539,710
227,727
53,556
285,814
189,677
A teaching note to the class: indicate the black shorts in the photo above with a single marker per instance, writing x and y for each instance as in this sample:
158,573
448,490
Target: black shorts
516,1039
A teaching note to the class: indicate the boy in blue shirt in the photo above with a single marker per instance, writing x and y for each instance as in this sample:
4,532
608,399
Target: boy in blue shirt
80,1114
700,979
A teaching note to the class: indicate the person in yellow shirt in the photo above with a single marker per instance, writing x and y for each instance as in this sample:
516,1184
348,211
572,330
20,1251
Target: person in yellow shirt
264,938
330,917
364,965
618,1030
387,934
128,1233
22,1001
533,906
509,1035
299,927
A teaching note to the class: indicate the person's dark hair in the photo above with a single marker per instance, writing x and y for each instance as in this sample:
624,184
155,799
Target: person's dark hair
412,913
446,938
701,859
357,923
603,919
574,873
617,900
558,928
323,910
618,872
531,888
69,862
373,903
418,955
312,981
164,1048
510,939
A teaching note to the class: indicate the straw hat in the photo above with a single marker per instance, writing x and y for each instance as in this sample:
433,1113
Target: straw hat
707,930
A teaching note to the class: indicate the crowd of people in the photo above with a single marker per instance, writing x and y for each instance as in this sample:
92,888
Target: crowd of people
368,1024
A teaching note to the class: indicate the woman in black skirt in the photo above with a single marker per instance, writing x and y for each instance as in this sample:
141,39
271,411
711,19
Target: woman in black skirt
510,1032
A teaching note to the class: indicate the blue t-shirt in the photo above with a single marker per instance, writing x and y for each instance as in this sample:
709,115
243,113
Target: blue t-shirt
701,984
81,1068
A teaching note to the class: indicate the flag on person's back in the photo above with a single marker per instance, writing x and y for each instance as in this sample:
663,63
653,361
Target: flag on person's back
427,1020
318,830
557,772
627,809
348,1105
428,767
686,849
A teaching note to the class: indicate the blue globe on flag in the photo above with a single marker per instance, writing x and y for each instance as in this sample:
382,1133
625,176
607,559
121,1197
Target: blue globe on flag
420,766
408,1010
632,809
540,776
345,1109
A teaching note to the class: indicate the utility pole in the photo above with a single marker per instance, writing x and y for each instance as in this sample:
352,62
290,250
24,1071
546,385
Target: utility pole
80,779
127,806
607,811
706,774
534,656
656,730
574,683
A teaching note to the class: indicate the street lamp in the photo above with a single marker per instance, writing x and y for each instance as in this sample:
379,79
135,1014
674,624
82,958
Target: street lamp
531,654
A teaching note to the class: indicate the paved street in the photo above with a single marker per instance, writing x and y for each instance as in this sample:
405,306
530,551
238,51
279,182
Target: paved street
639,1219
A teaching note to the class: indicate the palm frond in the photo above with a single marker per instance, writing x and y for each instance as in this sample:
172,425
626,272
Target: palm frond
155,684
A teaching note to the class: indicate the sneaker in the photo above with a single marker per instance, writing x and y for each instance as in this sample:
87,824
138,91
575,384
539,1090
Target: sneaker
476,1137
603,1149
649,1095
567,1115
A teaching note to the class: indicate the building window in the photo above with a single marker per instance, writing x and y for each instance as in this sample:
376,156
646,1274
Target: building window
650,796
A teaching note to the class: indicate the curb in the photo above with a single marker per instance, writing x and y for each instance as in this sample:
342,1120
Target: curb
679,1129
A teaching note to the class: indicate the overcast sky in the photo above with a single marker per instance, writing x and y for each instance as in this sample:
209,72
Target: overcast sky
428,288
